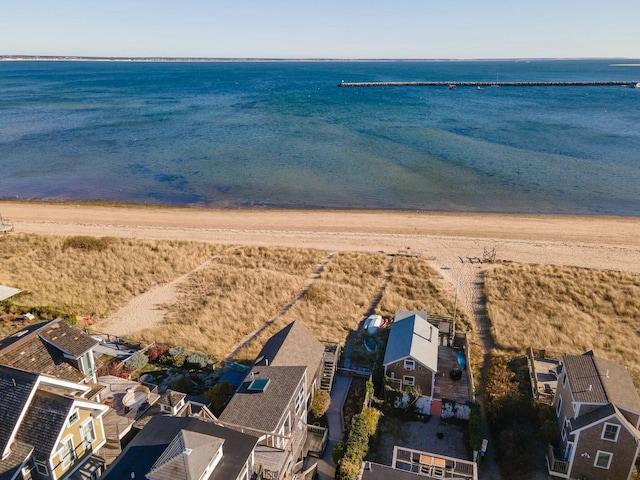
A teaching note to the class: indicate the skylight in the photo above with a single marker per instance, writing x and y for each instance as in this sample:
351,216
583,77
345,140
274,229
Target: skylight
259,384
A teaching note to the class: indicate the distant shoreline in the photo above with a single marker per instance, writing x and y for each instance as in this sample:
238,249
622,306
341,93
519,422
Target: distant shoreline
80,58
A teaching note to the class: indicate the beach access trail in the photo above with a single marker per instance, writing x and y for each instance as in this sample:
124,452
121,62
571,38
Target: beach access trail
453,242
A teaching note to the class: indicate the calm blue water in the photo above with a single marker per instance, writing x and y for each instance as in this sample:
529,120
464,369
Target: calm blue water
283,135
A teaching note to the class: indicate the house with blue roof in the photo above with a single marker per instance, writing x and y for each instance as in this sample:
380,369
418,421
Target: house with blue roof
411,357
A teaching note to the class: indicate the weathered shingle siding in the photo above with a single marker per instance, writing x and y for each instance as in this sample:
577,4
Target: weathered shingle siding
590,441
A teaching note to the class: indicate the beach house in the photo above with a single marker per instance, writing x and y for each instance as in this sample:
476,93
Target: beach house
598,414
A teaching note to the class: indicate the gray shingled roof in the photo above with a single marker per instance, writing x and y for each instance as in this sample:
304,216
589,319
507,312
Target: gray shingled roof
67,338
596,380
20,452
16,387
149,445
171,398
294,345
26,350
599,415
186,457
263,410
44,421
411,335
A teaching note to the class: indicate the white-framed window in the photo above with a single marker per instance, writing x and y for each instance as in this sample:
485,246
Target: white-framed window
73,418
610,432
559,406
409,365
603,460
41,468
564,379
407,380
86,364
88,433
564,429
68,453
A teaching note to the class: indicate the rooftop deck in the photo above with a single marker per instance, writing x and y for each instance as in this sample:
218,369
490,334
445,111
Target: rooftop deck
543,374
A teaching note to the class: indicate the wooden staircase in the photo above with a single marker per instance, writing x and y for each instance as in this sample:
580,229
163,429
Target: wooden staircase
330,359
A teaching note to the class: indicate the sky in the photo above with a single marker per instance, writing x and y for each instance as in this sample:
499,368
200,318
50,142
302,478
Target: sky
344,29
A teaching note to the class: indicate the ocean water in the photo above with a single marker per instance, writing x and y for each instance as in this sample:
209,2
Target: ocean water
282,135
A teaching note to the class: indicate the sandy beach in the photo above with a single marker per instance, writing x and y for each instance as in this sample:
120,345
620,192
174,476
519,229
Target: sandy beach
453,242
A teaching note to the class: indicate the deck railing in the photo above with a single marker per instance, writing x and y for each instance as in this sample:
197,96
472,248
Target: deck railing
555,465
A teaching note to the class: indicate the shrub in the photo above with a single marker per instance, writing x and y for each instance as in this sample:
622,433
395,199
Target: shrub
90,244
219,395
320,403
178,352
198,359
338,452
357,445
475,428
177,361
136,361
157,351
184,384
371,418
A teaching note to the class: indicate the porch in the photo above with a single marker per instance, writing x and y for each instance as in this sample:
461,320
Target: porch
557,467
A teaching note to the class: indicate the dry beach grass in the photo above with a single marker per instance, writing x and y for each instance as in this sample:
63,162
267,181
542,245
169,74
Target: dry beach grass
364,244
566,310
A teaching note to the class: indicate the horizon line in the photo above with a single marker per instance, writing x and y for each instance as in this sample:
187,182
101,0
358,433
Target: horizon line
149,58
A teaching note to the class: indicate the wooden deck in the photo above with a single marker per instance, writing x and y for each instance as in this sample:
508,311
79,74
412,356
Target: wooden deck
446,387
543,375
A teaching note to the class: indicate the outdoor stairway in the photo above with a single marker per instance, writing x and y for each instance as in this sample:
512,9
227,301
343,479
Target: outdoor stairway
327,376
330,358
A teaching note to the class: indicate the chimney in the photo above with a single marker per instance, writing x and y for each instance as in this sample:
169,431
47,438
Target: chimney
266,362
607,374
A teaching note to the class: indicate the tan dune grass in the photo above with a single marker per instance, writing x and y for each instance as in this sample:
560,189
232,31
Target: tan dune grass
89,282
566,310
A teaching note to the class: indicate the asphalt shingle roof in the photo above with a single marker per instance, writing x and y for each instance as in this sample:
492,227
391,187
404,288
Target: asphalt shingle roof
16,387
67,338
44,421
294,345
28,350
596,380
186,457
154,439
263,410
19,453
413,336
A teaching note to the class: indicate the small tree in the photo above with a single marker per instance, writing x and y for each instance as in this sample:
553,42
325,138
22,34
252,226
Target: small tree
320,403
178,351
219,396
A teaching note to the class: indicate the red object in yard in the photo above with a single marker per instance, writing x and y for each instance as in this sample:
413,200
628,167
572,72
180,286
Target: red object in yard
436,407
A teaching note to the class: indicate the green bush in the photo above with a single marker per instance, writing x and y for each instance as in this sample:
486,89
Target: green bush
136,361
178,361
475,428
178,352
357,444
198,359
338,452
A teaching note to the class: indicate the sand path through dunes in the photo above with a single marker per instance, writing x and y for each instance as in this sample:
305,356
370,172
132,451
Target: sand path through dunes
145,310
448,239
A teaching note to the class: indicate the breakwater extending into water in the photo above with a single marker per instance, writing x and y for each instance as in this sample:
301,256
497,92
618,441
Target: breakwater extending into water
612,83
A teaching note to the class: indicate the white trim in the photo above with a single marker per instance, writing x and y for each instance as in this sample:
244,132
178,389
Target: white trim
595,462
88,421
409,364
604,429
7,448
38,464
60,453
559,406
411,382
76,412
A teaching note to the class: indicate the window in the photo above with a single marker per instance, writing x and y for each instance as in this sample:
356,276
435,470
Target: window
559,406
406,380
603,459
610,432
41,468
67,454
409,365
73,418
88,433
86,364
564,380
